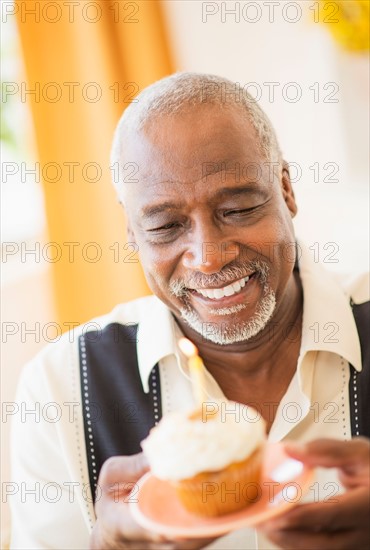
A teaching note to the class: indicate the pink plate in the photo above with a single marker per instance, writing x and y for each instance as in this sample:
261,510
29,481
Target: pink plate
284,482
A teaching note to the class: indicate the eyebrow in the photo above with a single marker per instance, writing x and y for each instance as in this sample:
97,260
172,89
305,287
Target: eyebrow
226,192
151,211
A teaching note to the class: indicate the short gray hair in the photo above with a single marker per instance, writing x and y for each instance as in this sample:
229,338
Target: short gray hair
176,93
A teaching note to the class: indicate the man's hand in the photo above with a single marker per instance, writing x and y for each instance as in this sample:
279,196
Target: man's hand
340,524
115,528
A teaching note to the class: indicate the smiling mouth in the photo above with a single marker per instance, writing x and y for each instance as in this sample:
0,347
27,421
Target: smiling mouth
228,290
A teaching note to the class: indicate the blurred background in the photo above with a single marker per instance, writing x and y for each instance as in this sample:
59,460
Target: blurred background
69,69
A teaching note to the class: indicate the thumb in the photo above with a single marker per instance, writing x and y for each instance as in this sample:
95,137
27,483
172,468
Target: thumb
123,469
351,457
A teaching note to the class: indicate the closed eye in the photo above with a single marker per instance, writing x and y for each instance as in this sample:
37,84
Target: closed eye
239,212
171,225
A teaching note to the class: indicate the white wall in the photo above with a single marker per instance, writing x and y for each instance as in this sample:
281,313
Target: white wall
310,131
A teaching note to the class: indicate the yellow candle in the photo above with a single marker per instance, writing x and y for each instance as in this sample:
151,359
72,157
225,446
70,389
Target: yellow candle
196,370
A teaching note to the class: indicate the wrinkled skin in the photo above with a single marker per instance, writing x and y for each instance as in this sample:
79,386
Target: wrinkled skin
205,199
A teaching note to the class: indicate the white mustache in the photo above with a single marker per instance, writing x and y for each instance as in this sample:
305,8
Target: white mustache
230,274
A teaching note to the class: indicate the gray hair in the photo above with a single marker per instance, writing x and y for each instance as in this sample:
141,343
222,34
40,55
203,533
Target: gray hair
176,93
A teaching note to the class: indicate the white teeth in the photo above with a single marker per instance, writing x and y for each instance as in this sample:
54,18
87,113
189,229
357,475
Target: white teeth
219,293
236,286
229,290
208,293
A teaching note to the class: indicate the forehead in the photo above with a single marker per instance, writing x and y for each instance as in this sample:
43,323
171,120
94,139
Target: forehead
191,149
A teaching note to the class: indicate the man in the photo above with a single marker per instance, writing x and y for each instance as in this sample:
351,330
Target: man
210,208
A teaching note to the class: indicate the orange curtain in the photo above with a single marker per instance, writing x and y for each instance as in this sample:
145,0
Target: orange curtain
84,62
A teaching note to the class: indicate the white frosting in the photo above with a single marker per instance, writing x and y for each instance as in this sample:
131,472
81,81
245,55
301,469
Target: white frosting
180,447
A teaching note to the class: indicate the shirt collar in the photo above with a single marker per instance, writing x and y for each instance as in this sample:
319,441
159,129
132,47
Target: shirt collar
328,322
155,338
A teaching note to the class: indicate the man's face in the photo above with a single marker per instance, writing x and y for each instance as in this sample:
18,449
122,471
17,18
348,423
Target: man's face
212,220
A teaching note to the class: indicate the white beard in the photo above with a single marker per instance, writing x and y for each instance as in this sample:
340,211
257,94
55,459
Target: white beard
224,333
228,332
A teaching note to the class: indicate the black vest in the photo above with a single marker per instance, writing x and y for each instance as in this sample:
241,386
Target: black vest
118,414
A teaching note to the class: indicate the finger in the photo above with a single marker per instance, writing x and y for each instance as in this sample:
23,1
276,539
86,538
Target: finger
122,469
352,456
193,544
296,540
140,544
348,511
169,545
116,523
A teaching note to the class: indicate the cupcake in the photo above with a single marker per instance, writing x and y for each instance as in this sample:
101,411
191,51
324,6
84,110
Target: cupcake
212,456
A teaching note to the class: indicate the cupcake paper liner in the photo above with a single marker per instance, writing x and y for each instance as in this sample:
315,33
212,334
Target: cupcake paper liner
225,491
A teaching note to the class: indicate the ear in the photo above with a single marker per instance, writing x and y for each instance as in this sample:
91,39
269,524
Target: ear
287,190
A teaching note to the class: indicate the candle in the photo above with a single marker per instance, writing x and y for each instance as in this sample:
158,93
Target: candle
196,370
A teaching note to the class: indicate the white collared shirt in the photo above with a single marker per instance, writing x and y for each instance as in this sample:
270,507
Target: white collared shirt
49,493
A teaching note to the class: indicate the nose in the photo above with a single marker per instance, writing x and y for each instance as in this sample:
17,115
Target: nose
209,250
